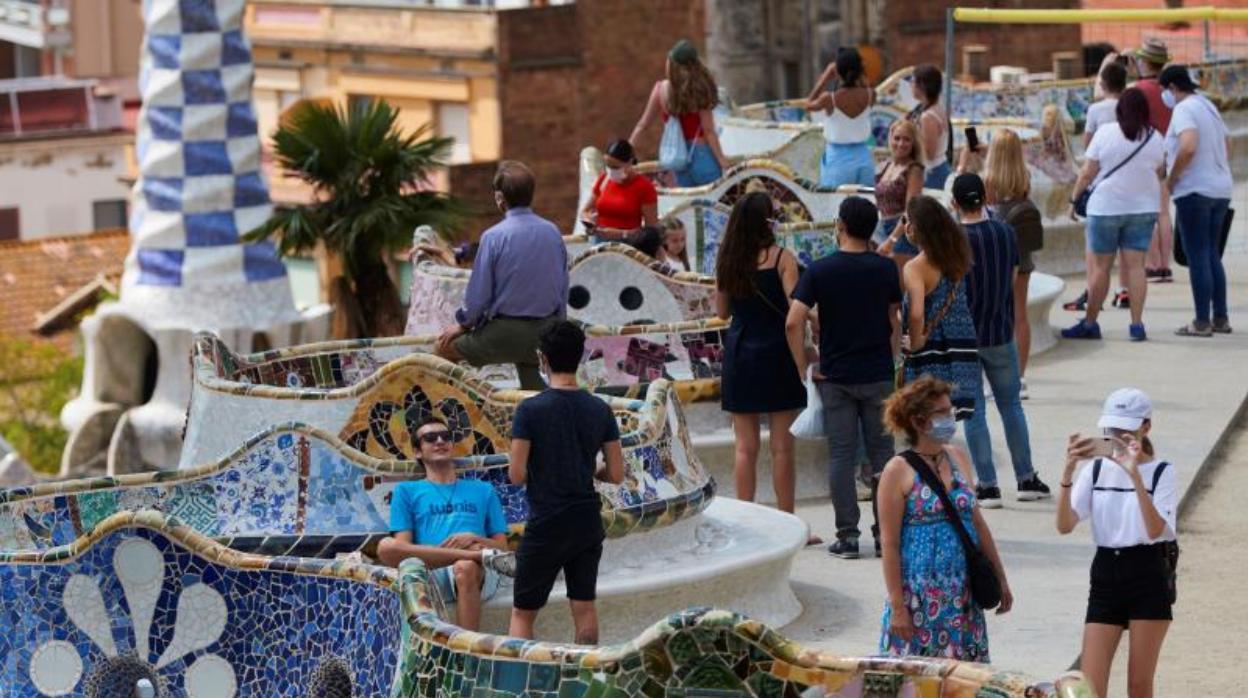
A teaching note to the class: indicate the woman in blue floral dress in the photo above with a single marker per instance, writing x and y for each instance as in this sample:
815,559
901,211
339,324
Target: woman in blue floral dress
942,341
929,611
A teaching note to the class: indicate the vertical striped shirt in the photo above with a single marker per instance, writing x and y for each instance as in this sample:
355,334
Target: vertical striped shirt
990,285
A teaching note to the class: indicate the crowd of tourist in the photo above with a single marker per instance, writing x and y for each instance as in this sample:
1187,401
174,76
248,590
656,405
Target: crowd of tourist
913,325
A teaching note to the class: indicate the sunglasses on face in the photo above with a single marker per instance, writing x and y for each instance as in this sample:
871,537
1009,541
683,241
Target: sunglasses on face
436,436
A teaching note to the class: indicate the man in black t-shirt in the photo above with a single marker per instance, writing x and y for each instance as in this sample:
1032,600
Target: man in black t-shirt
556,436
857,295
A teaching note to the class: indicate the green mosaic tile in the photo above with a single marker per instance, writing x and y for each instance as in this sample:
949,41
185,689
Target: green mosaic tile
94,507
766,685
683,648
656,663
712,673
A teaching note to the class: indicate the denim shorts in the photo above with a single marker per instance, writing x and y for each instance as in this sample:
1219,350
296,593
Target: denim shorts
847,163
444,579
1128,231
936,177
903,244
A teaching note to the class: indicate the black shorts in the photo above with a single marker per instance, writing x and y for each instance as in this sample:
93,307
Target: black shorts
1129,584
570,541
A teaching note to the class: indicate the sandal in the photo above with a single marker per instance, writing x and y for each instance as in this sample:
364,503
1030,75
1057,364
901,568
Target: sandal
1194,330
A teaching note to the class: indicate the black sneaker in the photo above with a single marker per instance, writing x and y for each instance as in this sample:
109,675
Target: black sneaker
1122,299
989,497
1032,488
844,548
1079,304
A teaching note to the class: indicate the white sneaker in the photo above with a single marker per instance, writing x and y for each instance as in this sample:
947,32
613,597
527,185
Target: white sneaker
1022,392
500,561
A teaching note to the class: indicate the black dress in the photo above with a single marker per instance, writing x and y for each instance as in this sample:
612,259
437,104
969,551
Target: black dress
759,374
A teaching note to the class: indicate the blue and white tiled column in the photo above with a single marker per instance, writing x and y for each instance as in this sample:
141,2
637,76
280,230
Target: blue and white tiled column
200,185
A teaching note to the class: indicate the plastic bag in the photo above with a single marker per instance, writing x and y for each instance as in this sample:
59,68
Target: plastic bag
809,424
673,149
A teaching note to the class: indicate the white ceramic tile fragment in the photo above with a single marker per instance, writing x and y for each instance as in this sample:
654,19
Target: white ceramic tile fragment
199,622
141,569
84,604
55,668
210,677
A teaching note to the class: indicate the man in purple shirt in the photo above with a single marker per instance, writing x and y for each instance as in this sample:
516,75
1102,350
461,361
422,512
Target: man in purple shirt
519,281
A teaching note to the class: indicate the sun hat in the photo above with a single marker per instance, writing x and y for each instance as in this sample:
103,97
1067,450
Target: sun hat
683,52
1126,409
1177,76
1154,51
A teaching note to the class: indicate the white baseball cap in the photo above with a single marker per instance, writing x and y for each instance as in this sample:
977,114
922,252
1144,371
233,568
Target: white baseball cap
1125,408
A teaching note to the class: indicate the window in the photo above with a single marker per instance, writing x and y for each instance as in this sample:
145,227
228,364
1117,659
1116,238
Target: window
10,227
108,214
453,123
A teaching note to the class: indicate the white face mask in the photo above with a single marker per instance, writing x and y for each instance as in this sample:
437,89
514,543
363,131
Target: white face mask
617,175
1167,98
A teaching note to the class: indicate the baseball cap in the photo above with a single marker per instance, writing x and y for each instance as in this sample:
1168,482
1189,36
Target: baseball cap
1178,76
968,191
1125,408
683,52
621,150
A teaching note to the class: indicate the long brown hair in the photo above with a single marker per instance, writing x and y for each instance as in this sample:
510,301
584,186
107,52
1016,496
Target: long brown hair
940,237
747,234
692,87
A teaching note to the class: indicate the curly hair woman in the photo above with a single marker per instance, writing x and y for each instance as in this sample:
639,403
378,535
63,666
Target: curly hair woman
688,94
930,611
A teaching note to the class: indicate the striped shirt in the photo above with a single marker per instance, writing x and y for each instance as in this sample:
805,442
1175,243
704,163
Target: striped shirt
990,285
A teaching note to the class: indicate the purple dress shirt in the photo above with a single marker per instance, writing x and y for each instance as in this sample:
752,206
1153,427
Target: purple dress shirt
521,270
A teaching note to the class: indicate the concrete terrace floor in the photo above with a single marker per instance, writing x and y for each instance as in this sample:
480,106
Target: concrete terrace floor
1197,386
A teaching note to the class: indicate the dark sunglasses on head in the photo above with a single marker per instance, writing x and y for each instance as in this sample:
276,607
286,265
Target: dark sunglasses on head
435,436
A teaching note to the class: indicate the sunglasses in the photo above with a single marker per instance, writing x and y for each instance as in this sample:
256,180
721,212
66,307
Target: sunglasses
436,436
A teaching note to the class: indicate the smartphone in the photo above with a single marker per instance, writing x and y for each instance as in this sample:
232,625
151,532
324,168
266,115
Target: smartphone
1102,447
972,138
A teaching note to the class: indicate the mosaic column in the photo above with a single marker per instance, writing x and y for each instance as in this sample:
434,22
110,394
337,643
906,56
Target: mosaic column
200,185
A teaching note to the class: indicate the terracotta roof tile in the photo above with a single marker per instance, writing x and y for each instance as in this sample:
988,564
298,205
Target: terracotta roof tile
36,275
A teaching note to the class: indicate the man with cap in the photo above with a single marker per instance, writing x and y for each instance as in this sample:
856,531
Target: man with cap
990,293
1150,59
621,201
1199,178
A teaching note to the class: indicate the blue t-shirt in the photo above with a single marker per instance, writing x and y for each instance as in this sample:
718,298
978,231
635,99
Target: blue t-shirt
434,512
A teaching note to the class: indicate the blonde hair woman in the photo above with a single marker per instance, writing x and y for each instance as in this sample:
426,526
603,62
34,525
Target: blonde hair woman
900,180
1008,184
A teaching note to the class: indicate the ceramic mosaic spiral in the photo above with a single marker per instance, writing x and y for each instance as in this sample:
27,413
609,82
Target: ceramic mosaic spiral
200,185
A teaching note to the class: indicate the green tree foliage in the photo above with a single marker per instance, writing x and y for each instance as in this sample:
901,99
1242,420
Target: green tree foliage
370,183
36,380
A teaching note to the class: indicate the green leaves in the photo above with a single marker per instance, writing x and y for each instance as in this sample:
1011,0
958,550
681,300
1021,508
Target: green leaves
371,182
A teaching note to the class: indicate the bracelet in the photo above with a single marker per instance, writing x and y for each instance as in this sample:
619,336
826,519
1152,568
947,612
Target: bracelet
1067,484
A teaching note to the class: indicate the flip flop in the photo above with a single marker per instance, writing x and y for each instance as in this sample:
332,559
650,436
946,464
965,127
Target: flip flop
1191,330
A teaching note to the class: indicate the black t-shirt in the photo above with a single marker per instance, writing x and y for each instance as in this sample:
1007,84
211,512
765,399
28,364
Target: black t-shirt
854,293
565,430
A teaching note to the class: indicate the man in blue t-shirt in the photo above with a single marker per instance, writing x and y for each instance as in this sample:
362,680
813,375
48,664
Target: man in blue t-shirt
857,295
455,525
556,437
990,293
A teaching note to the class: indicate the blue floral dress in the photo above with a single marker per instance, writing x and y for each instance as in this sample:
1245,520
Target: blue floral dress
951,353
947,622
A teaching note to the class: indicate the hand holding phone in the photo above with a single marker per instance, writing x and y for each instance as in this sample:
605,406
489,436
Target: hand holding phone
972,139
1103,447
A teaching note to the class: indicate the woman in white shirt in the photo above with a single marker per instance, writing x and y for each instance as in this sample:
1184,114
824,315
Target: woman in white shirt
1123,208
847,124
1132,499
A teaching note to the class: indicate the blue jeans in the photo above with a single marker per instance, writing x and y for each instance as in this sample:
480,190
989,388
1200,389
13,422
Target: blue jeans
936,177
703,167
1127,231
1001,366
847,163
1200,225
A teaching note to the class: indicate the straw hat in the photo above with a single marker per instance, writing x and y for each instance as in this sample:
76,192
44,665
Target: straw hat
1154,51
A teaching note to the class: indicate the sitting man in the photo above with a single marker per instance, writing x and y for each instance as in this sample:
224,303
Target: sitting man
455,525
519,281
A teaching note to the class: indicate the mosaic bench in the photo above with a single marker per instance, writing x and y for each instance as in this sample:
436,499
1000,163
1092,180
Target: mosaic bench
146,597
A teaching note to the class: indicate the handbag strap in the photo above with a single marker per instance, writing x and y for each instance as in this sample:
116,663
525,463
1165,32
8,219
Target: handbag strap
1148,136
933,481
939,317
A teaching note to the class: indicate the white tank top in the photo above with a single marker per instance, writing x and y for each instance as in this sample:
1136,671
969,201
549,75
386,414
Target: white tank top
840,128
941,156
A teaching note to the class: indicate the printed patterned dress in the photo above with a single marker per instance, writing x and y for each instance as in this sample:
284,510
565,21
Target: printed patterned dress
951,352
947,622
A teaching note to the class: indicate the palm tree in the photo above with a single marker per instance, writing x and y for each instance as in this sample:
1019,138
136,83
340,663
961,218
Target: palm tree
368,179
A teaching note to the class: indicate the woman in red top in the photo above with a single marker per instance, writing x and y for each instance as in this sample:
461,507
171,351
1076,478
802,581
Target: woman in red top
689,94
622,200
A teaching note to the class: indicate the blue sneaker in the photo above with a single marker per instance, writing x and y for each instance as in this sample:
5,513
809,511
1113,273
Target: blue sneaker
1137,333
1082,330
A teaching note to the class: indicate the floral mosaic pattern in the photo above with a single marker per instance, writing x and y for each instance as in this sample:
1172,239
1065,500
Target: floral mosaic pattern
146,597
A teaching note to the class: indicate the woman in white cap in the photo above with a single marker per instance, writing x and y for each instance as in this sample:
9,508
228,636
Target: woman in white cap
1132,499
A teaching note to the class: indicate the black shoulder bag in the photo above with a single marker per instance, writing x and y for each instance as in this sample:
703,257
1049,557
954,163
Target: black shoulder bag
1081,203
982,576
1169,548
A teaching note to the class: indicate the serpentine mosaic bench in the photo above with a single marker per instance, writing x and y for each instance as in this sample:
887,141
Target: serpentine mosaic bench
144,596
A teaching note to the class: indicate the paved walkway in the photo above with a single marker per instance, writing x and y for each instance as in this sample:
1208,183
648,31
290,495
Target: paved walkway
1197,386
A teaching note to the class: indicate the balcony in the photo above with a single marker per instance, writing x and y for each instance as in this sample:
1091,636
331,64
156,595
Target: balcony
41,107
27,23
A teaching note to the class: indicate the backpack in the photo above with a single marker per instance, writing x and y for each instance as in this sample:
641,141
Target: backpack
1169,548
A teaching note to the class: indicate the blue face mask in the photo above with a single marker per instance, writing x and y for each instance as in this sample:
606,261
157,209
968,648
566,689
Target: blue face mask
1167,98
943,429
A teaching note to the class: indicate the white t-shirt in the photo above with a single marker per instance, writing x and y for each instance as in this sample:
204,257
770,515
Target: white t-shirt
1117,521
1135,187
1208,173
1099,114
